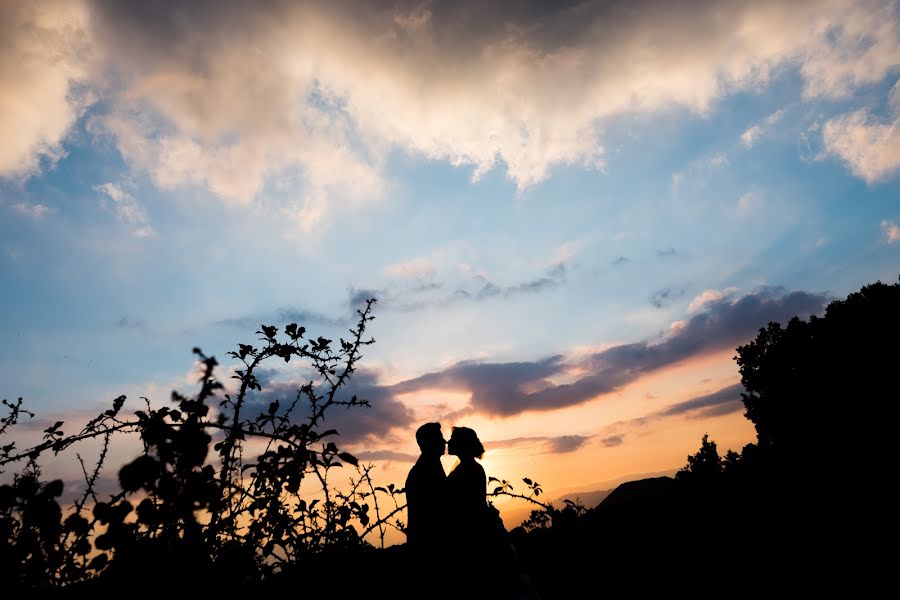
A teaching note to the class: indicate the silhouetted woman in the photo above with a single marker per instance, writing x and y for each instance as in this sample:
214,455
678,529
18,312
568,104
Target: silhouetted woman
468,511
466,483
477,542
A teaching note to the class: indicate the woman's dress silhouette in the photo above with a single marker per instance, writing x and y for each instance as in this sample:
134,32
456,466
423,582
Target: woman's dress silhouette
471,524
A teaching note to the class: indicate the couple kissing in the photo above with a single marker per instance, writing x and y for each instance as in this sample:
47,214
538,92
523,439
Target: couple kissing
450,523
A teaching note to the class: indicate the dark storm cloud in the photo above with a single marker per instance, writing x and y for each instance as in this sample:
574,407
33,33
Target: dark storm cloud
354,424
613,440
567,443
359,296
725,401
495,387
550,445
467,25
506,389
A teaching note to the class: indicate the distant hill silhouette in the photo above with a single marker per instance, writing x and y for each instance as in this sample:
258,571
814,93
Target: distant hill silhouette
644,492
598,491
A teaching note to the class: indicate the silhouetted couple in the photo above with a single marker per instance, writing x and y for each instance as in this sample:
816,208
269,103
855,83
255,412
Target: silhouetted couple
454,536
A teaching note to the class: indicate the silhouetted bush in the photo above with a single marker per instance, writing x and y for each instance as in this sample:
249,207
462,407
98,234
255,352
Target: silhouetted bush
195,509
182,512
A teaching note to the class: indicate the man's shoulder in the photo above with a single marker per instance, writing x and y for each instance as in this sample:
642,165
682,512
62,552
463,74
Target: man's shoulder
414,474
427,471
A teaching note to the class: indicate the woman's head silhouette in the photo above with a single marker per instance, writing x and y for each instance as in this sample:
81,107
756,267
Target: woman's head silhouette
464,443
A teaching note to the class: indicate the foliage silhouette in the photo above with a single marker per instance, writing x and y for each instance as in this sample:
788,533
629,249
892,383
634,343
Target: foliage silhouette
799,511
812,382
704,467
196,508
194,514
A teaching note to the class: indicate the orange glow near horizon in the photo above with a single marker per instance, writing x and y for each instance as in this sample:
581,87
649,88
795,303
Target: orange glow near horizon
659,444
519,446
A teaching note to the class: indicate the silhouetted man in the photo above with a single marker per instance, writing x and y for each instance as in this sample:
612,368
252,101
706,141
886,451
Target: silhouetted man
426,494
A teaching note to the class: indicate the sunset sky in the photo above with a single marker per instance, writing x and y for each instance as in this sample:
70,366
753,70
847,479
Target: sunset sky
570,213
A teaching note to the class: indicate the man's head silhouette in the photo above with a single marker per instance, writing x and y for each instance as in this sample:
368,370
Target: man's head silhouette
431,441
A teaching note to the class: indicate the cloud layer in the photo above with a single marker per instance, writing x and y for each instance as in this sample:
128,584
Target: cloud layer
505,389
870,146
891,231
722,402
42,51
355,424
126,208
320,92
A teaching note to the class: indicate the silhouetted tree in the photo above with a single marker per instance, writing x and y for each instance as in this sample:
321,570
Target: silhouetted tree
823,393
704,467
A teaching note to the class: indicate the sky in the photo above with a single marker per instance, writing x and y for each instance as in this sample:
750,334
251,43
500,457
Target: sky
570,213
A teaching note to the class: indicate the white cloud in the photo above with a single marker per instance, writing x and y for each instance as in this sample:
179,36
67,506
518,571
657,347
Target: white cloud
127,208
752,135
43,46
329,90
774,117
417,268
869,146
232,100
855,44
35,211
891,231
705,297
